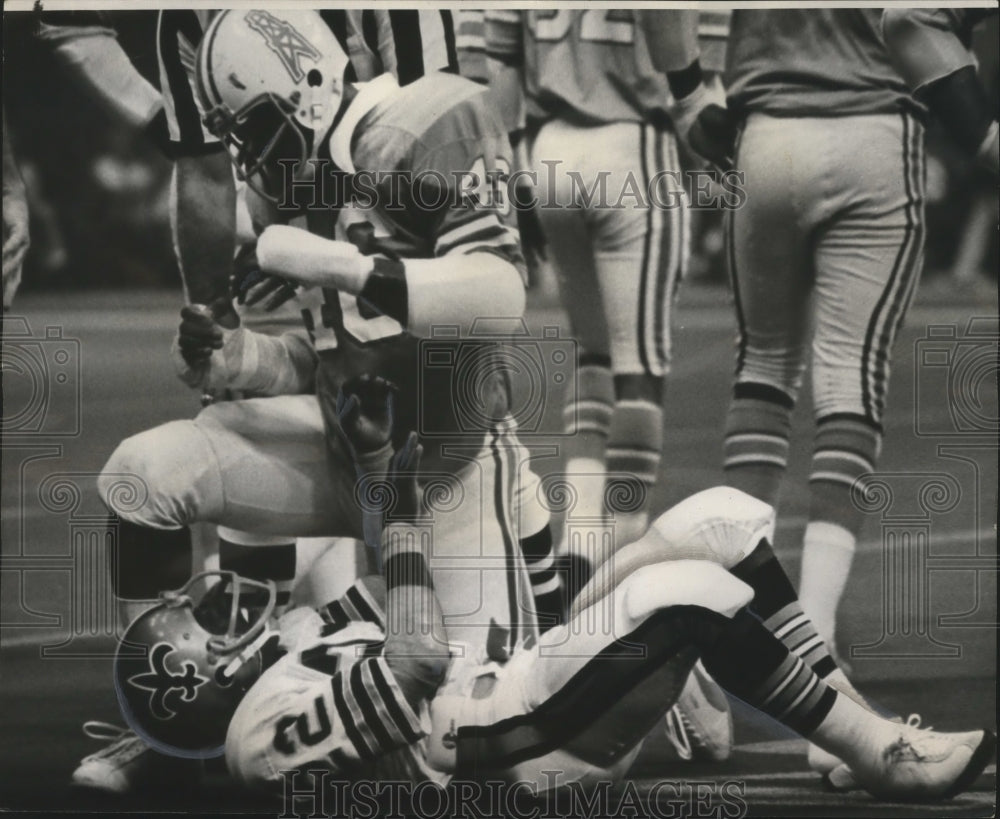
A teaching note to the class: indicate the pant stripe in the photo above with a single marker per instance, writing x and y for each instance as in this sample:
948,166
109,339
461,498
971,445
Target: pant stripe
889,308
741,322
500,493
646,247
670,246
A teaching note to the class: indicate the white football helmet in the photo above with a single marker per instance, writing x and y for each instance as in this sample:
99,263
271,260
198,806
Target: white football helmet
270,84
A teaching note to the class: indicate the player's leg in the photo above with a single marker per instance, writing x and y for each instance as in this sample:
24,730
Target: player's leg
770,261
259,465
588,411
868,261
640,250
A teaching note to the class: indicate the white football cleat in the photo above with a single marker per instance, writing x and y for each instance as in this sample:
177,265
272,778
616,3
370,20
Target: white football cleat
700,723
923,765
837,775
127,763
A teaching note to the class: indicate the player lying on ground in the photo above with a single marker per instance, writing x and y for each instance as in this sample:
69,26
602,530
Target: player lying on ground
366,698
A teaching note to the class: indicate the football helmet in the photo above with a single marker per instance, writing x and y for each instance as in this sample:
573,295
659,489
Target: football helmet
270,84
182,667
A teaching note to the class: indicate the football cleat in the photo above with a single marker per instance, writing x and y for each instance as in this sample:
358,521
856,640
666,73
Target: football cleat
700,723
920,764
127,764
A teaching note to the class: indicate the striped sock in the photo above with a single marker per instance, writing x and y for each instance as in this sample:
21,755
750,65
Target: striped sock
259,557
776,604
846,447
756,443
546,580
827,555
587,417
634,449
751,664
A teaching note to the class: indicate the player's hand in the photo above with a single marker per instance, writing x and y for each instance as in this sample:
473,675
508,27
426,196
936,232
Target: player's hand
365,411
250,285
199,337
199,334
703,122
403,470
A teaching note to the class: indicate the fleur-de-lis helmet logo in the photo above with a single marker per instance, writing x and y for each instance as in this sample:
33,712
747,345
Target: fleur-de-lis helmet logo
161,682
284,40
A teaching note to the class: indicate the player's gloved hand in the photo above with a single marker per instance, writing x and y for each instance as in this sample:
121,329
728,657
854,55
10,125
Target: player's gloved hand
250,285
403,470
199,336
365,412
703,122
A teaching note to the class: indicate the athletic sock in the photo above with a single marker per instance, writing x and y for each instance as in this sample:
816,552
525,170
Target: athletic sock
756,444
750,663
846,447
547,584
777,605
827,554
259,557
587,418
634,451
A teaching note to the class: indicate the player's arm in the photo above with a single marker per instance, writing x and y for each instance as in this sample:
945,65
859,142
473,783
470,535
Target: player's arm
927,49
416,648
90,49
699,108
477,269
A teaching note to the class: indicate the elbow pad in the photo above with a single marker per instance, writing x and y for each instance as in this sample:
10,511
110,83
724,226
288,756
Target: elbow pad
451,290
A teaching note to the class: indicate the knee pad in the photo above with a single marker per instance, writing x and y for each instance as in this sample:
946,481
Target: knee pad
683,583
722,525
172,471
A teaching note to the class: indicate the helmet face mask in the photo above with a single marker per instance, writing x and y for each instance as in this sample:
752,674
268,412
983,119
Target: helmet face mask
183,666
271,84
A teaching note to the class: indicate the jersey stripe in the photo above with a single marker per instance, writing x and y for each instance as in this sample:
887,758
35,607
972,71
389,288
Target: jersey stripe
408,44
392,704
372,718
347,718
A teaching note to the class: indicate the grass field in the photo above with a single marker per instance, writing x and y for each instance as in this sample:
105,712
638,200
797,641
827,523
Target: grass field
923,641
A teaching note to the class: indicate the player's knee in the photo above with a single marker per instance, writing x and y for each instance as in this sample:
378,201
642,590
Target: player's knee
780,367
163,469
721,525
683,583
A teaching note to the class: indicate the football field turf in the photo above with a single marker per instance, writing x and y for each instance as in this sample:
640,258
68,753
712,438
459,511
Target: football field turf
917,622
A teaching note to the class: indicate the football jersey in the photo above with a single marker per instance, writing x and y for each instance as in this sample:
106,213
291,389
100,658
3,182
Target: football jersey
812,63
430,149
586,66
361,723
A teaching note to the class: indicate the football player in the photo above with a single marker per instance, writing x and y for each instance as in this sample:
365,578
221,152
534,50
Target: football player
602,138
272,467
830,243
